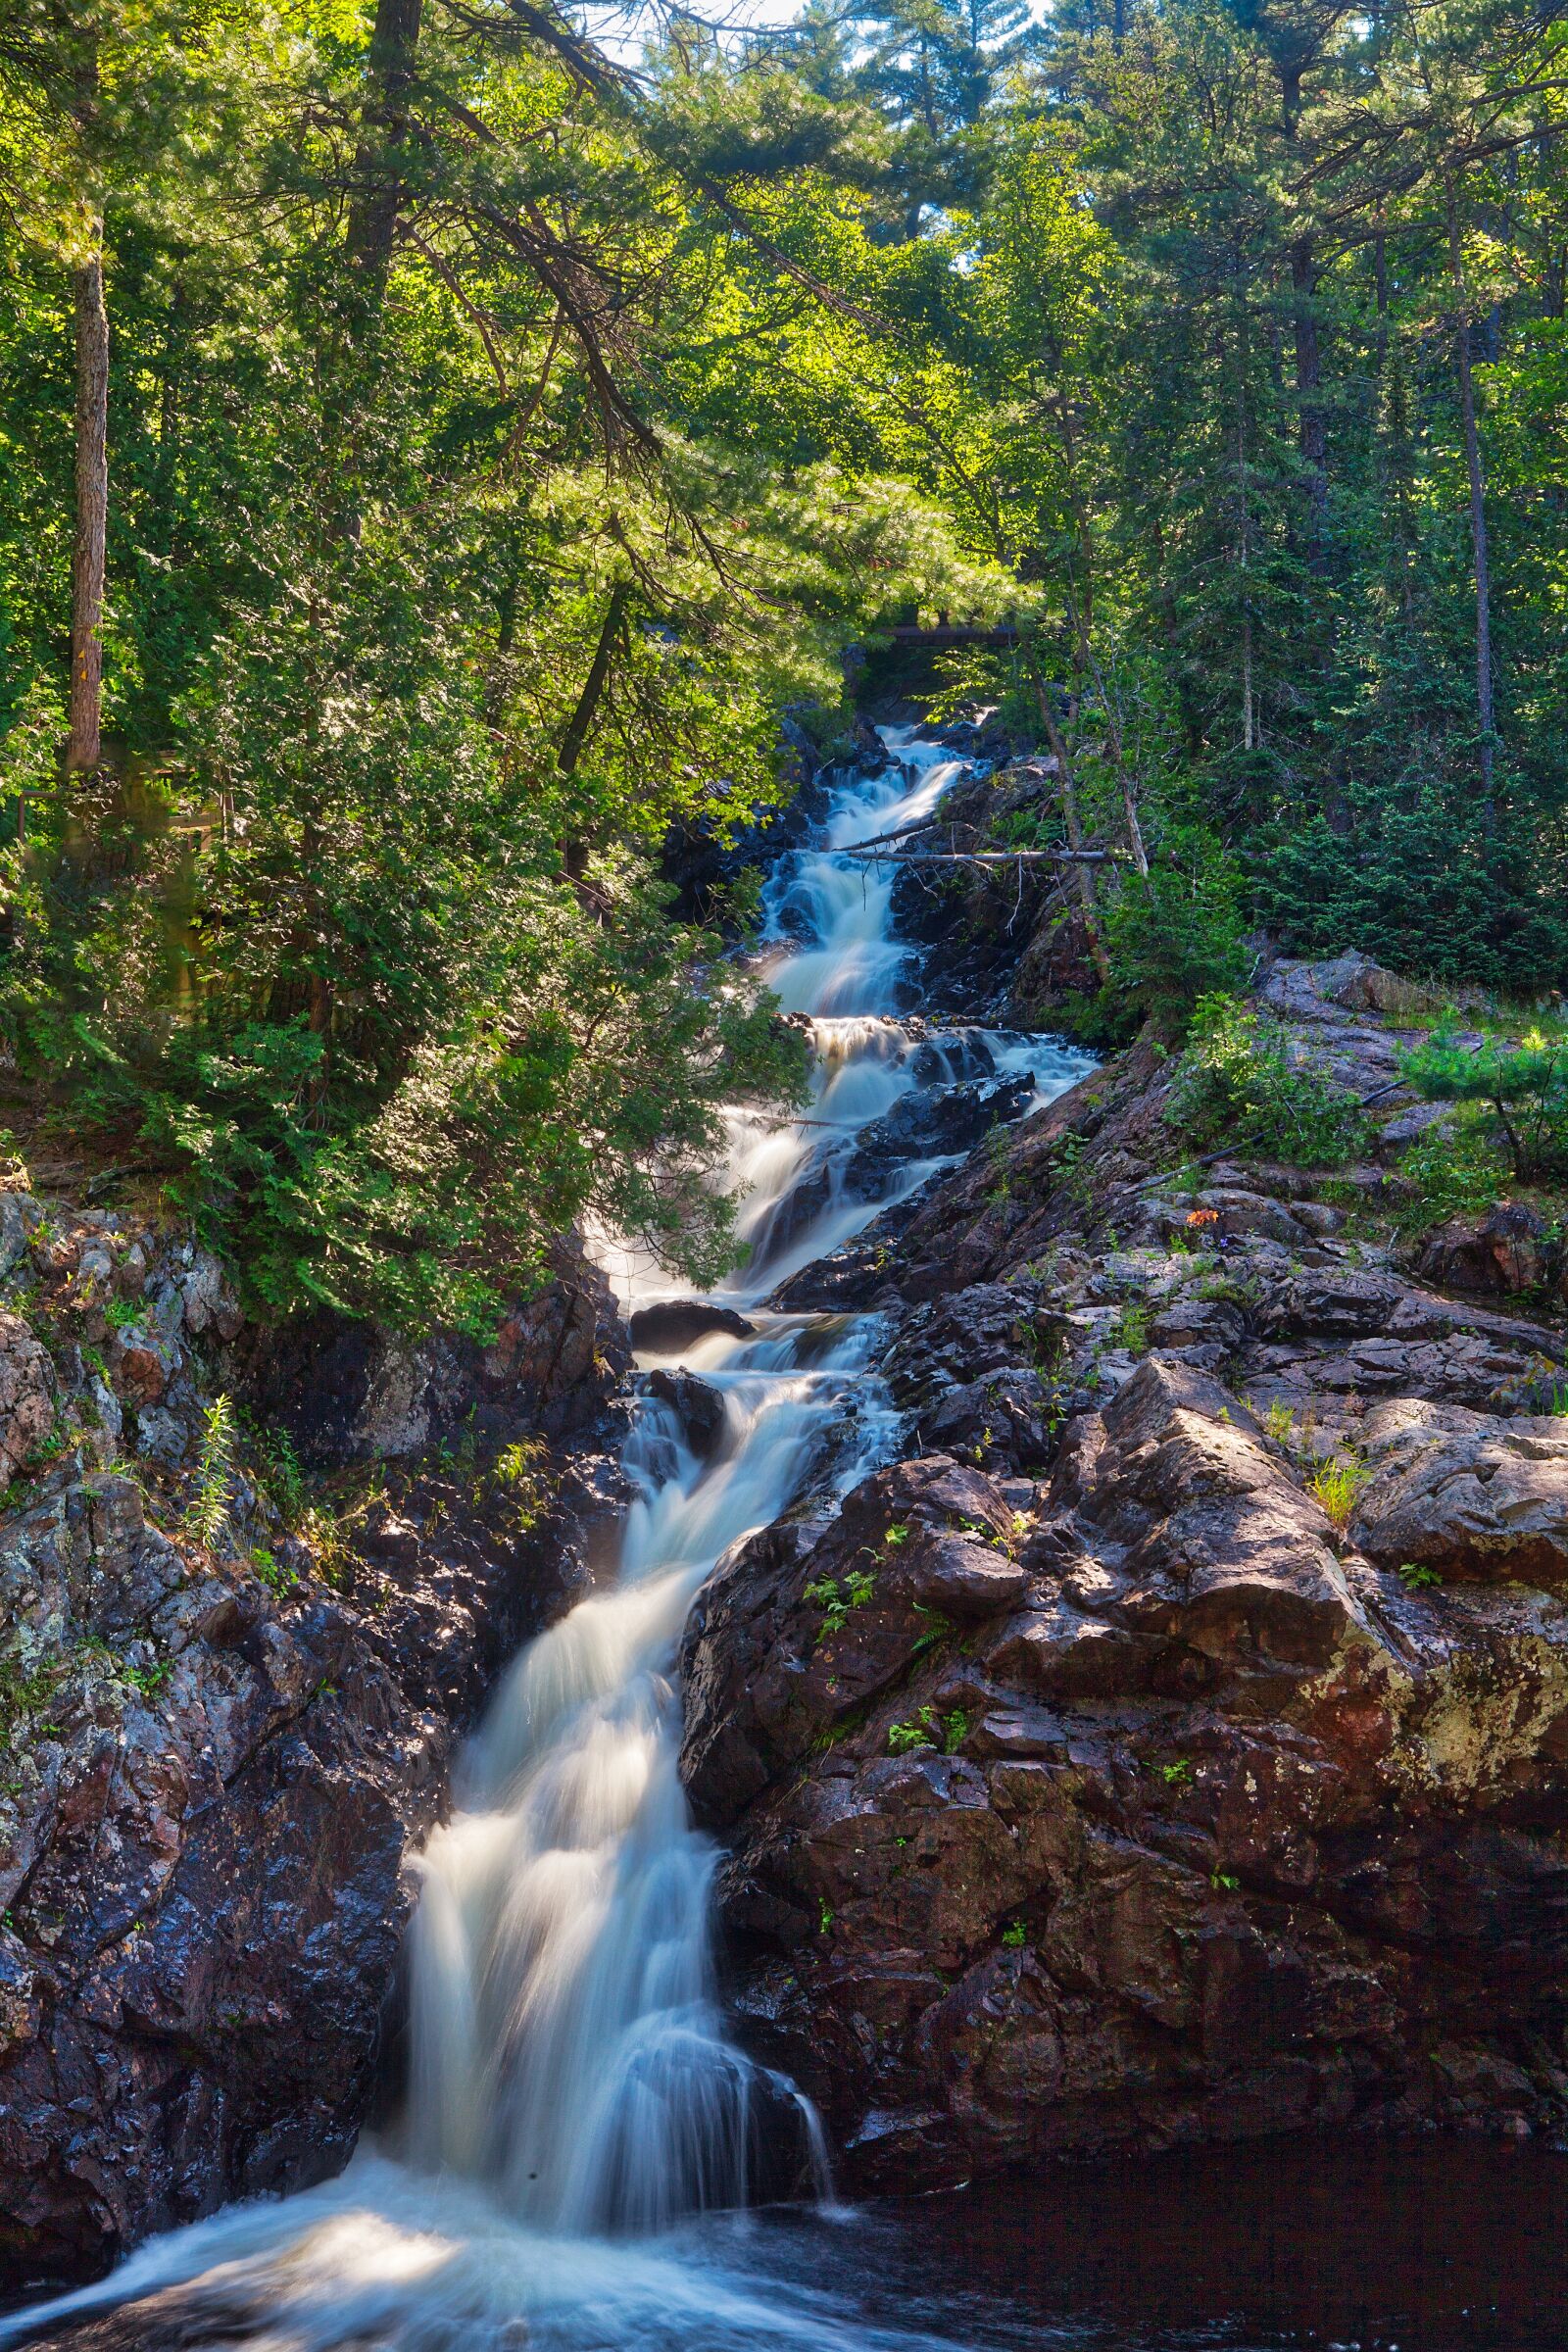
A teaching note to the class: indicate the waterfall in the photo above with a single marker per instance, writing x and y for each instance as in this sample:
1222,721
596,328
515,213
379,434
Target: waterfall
572,2088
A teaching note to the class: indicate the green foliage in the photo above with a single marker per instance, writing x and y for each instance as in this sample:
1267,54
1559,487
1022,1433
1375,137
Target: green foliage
149,1681
280,1475
836,1601
1236,1084
1454,1170
26,1690
437,597
1175,937
1523,1081
1417,885
1418,1579
1014,1936
519,1470
274,1574
436,601
1279,1422
1337,1483
206,1514
1130,1328
926,1729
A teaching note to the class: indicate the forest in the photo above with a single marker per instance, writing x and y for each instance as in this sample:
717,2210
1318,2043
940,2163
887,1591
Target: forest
439,443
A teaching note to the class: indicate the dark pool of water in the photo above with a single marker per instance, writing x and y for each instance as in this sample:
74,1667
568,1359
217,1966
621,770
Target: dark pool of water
1367,2246
1456,2245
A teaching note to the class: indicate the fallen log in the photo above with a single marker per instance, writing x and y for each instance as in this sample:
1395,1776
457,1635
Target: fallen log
873,857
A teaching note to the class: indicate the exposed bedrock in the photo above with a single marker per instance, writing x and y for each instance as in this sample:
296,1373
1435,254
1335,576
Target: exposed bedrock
222,1747
1147,1811
1109,1770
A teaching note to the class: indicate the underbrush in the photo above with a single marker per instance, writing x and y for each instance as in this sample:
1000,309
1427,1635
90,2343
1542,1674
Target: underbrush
1236,1084
1452,1170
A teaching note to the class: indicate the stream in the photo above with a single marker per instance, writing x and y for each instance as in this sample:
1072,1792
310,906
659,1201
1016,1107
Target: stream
581,2139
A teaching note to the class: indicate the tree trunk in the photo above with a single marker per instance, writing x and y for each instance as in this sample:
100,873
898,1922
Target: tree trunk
573,852
582,719
1313,425
1478,510
1075,829
380,155
84,744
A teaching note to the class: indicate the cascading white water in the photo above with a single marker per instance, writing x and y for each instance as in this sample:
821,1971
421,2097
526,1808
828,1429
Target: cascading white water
566,2045
570,2075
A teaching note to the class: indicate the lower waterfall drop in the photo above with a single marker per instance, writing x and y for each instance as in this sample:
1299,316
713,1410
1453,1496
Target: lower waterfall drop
573,2097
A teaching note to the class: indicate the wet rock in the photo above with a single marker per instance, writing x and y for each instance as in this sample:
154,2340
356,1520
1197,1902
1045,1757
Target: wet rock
953,1055
1010,1421
975,1332
161,1436
931,1126
674,1323
699,1408
349,1392
209,1300
141,1370
1181,1813
1239,1212
19,1214
810,1621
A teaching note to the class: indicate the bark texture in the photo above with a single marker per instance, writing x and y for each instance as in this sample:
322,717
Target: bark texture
87,555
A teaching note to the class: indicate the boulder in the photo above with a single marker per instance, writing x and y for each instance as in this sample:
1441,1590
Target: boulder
670,1324
699,1408
1194,1532
937,1125
1466,1493
1504,1251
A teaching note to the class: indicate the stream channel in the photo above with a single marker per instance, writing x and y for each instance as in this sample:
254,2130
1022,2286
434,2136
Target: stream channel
579,2136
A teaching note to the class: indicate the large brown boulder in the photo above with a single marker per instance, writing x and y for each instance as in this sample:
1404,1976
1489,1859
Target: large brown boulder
1178,1817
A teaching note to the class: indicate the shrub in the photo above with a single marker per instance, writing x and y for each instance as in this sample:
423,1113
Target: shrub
1523,1083
1174,936
1454,1171
1236,1084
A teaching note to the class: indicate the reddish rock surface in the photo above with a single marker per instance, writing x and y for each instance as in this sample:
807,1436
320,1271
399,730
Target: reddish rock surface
218,1755
1127,1798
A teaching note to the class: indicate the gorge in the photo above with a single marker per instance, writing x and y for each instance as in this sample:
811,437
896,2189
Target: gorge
1079,1784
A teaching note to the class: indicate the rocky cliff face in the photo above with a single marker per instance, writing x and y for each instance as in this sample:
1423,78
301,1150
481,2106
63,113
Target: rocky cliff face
1175,1745
226,1728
